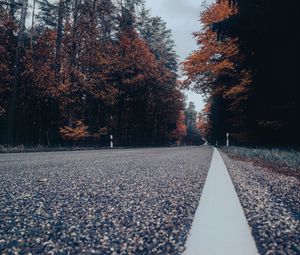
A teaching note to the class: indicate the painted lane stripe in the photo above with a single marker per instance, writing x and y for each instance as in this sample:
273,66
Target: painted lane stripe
220,226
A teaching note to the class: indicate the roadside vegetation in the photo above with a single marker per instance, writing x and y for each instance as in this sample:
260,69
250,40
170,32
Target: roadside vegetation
43,148
277,159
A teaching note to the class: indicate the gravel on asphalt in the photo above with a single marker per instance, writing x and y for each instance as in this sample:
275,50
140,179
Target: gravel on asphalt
136,201
271,202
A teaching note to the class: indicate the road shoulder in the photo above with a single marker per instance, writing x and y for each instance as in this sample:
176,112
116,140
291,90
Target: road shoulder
271,204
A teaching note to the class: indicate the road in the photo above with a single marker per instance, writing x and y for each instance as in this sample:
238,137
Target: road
100,202
220,225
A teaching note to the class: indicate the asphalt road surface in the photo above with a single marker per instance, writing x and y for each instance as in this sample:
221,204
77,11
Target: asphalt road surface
137,201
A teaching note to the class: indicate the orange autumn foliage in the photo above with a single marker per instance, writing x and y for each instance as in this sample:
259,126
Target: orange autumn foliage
216,69
203,121
181,129
213,58
39,63
137,64
79,132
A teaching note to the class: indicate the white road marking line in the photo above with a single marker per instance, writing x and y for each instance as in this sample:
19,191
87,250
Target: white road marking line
220,226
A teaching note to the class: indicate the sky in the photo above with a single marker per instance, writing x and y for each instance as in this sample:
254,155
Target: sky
182,17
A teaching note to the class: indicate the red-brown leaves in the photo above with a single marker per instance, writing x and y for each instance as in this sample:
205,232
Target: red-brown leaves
181,130
136,64
217,12
79,132
213,59
39,65
216,70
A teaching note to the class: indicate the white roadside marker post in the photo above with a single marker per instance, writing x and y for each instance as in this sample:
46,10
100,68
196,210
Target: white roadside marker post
227,139
111,142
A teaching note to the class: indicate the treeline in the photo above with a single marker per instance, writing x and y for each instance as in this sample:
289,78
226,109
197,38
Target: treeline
247,65
81,70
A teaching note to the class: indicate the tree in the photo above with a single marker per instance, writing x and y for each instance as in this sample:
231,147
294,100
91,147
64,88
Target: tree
217,70
192,135
16,81
139,74
248,71
159,39
181,130
84,68
7,27
204,122
270,45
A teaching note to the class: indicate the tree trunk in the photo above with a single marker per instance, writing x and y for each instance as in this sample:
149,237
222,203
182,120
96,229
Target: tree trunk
71,117
119,127
40,119
16,80
59,35
32,22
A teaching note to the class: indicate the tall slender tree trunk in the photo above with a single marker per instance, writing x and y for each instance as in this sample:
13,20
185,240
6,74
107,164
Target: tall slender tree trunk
154,127
71,114
12,8
40,119
32,22
17,70
73,57
120,116
157,135
52,131
59,36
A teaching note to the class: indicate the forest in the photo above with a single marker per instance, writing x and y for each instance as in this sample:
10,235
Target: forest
76,72
247,66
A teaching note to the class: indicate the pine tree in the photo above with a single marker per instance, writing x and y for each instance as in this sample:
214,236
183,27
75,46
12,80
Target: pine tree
159,39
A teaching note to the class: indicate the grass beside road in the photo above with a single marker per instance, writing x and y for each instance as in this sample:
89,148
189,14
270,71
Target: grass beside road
281,160
41,148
